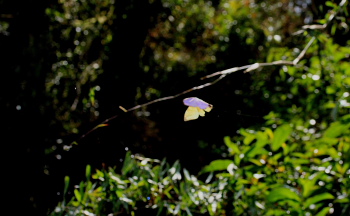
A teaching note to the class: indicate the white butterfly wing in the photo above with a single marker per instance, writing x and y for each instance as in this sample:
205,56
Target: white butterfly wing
200,112
191,113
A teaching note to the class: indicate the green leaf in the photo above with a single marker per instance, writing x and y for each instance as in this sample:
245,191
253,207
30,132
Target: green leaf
256,150
280,136
77,195
323,212
275,212
330,90
248,137
92,96
333,29
187,175
317,198
327,140
309,184
233,146
336,129
282,193
66,184
342,200
299,161
331,4
119,193
129,163
217,165
256,162
88,172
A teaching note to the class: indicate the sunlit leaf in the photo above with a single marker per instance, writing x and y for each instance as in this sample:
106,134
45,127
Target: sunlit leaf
187,174
248,137
233,146
77,195
217,165
282,193
101,125
323,212
66,184
281,135
336,129
317,198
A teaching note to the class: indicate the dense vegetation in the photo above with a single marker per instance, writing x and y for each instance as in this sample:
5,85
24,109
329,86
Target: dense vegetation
266,173
277,141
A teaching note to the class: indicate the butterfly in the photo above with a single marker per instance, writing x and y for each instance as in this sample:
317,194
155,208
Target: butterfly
196,108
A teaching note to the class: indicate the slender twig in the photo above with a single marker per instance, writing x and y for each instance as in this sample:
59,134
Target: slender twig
104,123
301,55
255,66
333,14
224,73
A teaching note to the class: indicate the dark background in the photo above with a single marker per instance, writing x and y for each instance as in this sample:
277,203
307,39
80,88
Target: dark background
33,179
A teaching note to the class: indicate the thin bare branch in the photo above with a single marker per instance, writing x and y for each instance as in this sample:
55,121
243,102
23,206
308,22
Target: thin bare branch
177,95
224,73
255,66
301,55
104,123
333,14
227,71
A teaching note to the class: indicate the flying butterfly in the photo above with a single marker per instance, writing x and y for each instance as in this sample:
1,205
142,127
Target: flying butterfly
196,108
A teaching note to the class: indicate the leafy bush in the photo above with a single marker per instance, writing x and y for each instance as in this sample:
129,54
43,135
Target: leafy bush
290,170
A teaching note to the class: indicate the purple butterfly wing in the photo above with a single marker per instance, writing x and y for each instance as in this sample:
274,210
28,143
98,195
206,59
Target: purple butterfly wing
196,102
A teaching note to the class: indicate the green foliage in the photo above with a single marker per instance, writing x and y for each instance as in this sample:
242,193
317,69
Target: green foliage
317,89
192,36
81,35
143,183
297,177
297,163
300,177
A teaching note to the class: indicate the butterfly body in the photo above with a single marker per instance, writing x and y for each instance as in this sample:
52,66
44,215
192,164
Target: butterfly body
196,108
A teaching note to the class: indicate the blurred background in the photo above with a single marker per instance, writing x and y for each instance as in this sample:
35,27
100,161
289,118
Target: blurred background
68,65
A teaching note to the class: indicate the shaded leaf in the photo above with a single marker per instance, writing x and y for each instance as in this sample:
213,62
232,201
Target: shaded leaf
88,172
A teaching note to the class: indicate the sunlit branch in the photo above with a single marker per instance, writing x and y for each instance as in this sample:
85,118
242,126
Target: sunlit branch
104,123
333,14
258,65
222,74
301,55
